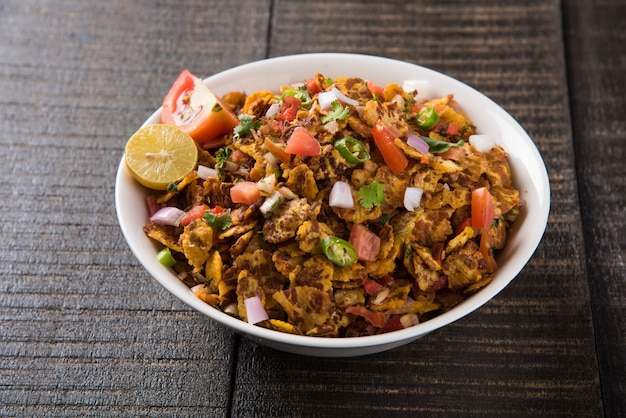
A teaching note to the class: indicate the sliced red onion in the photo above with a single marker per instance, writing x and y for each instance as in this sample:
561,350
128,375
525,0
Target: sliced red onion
412,198
418,143
325,98
272,110
341,196
254,310
168,215
271,203
343,98
483,143
409,320
205,172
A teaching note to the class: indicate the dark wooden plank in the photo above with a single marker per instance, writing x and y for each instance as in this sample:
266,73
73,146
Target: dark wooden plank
596,58
84,329
531,350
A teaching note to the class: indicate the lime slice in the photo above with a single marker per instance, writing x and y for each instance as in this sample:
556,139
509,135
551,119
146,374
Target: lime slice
158,155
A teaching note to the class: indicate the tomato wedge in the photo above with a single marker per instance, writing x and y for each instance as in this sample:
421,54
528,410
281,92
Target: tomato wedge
245,192
392,154
195,109
365,242
482,208
302,142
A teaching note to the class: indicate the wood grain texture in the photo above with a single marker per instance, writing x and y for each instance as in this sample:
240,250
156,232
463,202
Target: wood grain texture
596,35
531,350
84,330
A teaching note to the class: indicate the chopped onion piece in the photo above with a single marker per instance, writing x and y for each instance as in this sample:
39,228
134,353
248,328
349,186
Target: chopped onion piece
232,309
418,143
254,310
266,185
271,203
205,172
483,143
325,98
409,320
381,296
271,159
343,98
332,126
412,197
421,89
272,110
341,196
168,215
287,193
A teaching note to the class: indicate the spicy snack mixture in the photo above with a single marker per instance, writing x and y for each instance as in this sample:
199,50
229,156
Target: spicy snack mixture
335,208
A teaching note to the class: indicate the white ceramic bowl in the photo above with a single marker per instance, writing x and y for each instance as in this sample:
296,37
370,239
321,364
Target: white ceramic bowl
528,170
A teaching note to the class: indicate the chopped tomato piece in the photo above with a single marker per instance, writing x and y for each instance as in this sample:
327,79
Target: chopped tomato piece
245,192
371,286
289,109
376,90
482,208
191,106
302,142
452,129
313,85
365,242
384,137
377,319
194,213
278,150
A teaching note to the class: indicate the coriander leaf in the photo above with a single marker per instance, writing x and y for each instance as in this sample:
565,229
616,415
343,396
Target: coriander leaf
218,223
371,195
247,124
436,146
222,155
337,112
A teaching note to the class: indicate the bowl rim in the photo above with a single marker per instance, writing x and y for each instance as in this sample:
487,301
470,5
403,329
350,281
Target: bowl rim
165,277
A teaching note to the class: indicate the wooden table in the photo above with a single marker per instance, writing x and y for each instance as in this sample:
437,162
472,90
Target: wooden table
84,330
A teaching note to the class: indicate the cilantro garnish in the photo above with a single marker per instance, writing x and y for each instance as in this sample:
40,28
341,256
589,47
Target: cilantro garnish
247,124
218,223
222,155
337,112
371,195
436,146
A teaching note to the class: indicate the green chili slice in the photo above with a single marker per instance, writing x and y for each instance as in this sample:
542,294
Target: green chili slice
339,251
166,258
427,117
352,150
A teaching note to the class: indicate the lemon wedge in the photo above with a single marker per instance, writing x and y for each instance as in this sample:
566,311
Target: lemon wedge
159,154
